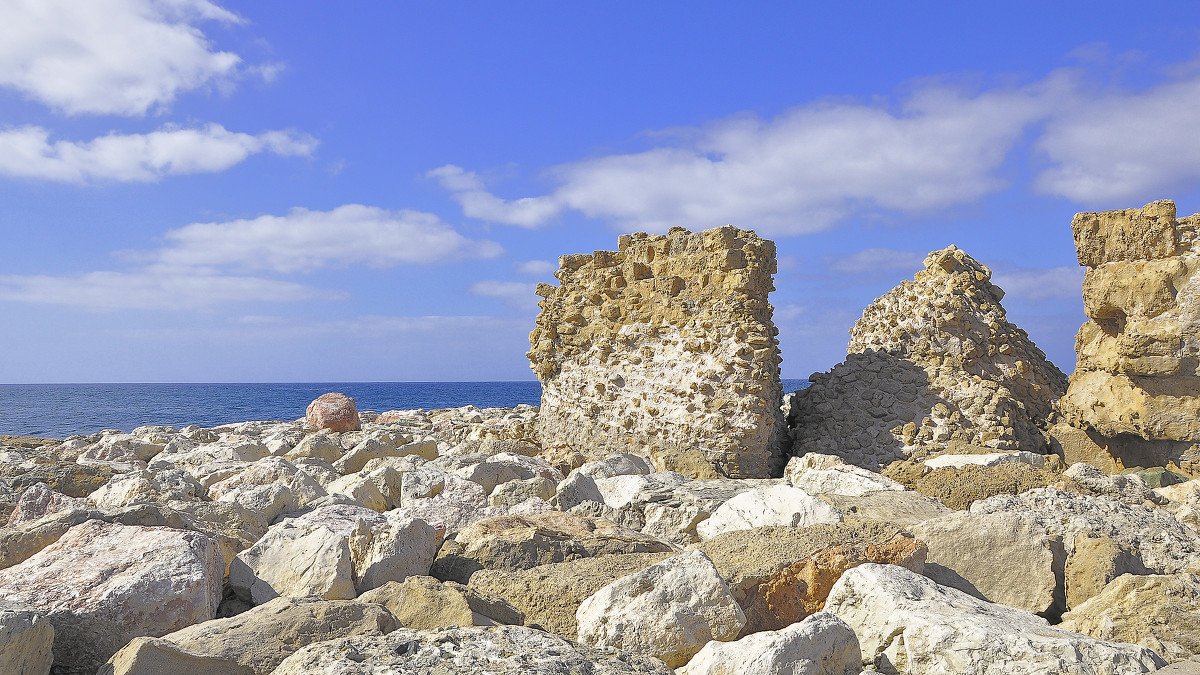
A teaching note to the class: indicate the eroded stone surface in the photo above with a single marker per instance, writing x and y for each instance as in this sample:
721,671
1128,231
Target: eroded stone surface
665,347
934,360
26,638
907,623
1139,352
821,644
103,584
498,650
1161,612
668,610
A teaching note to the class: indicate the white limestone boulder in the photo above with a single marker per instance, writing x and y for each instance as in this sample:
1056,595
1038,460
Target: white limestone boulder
505,467
821,644
620,464
39,501
26,638
295,558
906,623
103,584
360,488
777,505
385,444
144,487
399,548
320,445
668,610
268,471
576,489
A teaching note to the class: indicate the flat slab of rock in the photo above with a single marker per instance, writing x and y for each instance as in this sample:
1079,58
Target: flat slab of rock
523,542
103,584
907,623
668,610
986,459
841,479
821,644
424,603
549,595
150,656
499,650
26,638
261,638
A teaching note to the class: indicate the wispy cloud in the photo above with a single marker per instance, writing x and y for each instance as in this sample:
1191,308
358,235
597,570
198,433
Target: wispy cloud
205,264
28,152
153,289
822,163
514,293
1034,284
873,260
304,240
120,57
536,268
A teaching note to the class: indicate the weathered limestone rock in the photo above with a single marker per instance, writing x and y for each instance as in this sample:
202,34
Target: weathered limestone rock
26,638
424,603
294,559
844,480
1139,353
906,623
1006,558
516,491
261,638
1165,545
1127,487
39,501
498,650
393,551
144,487
958,488
898,507
668,610
151,656
523,542
1094,563
802,588
333,411
777,505
1160,612
933,361
664,348
103,584
821,644
748,559
549,595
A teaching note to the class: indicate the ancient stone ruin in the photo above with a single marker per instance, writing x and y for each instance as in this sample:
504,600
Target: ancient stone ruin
664,348
933,364
1136,387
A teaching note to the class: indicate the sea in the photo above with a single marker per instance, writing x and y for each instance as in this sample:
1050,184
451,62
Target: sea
61,410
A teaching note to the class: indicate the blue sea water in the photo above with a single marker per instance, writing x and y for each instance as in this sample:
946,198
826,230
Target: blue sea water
59,410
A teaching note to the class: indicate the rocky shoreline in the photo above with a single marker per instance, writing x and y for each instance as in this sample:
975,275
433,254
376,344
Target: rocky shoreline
944,501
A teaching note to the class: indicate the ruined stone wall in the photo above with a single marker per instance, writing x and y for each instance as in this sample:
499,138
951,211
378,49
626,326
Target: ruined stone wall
1137,379
933,363
666,348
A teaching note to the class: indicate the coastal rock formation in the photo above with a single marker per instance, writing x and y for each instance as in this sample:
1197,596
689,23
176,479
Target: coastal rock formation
933,363
1160,612
1136,388
26,638
664,348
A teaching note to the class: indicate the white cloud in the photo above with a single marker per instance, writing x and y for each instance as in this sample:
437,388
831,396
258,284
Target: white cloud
1033,284
152,290
28,152
1113,149
871,260
536,268
110,56
305,240
515,293
800,172
822,163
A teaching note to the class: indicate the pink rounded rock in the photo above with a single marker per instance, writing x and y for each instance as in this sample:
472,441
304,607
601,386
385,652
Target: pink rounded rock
333,411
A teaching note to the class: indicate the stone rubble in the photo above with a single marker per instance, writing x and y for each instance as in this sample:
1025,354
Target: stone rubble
928,510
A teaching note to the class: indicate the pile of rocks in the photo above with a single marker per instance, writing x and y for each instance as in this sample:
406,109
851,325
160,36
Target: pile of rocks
933,364
462,540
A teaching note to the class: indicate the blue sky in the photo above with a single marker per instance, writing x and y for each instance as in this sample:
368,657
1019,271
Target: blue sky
303,191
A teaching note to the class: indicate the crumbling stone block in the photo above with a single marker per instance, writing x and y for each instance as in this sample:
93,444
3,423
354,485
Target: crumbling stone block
664,348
